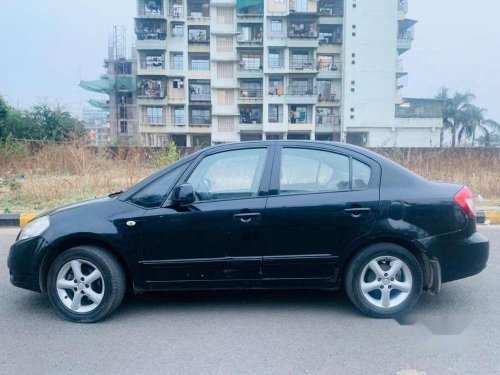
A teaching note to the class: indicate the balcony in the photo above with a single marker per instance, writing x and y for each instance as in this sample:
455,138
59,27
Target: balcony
199,92
150,9
250,117
151,65
330,35
250,68
328,68
303,30
301,94
250,10
331,8
176,11
151,30
329,98
327,123
199,35
250,95
200,120
177,120
303,64
303,7
405,40
151,89
249,36
198,12
276,63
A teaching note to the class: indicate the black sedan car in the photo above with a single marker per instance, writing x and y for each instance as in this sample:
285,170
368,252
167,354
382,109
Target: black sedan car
283,214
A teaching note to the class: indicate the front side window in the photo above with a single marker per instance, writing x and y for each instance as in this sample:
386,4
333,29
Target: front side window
154,194
229,175
313,171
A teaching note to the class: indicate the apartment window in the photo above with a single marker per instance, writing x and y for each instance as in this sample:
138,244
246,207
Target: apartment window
178,116
276,86
226,124
225,70
201,117
224,43
154,115
178,83
176,61
276,59
177,30
225,97
275,113
276,26
224,15
123,127
123,112
199,62
153,62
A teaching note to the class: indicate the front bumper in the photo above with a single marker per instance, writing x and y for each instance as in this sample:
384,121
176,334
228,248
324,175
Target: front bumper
24,263
459,255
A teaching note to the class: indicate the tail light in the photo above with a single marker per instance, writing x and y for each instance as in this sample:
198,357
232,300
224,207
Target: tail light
465,200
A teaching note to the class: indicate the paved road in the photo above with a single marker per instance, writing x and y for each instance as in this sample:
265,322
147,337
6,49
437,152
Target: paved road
256,332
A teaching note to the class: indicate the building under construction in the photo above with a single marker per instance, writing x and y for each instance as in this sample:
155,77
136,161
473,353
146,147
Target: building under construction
118,84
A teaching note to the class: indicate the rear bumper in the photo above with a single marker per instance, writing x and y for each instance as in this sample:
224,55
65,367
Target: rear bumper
459,255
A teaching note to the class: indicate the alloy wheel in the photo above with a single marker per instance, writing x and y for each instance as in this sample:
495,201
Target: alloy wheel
386,282
80,286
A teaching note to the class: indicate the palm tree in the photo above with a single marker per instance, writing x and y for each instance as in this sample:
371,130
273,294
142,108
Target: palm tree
473,120
454,108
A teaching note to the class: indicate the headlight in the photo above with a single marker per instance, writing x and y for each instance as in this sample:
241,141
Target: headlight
35,228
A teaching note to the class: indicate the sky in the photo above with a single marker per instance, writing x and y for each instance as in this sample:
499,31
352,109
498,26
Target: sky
47,46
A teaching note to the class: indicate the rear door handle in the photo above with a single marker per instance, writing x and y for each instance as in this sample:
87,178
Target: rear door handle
357,211
246,217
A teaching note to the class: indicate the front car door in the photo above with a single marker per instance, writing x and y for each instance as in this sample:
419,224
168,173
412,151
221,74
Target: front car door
322,198
218,237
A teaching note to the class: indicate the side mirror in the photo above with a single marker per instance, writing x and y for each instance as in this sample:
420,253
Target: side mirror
183,194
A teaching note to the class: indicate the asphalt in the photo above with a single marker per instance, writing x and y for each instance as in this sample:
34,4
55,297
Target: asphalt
256,332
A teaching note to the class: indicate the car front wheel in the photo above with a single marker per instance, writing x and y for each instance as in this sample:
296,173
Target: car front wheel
85,284
384,280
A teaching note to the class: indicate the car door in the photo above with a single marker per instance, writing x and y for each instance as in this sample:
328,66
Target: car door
321,199
218,237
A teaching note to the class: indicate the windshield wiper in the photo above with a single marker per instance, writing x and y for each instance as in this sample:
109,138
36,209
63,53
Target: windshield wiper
115,194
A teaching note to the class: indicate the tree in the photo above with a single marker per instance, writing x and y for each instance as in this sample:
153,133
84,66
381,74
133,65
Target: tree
454,108
41,122
474,120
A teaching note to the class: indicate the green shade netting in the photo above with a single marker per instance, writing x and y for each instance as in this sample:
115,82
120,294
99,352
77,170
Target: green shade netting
105,85
245,5
99,104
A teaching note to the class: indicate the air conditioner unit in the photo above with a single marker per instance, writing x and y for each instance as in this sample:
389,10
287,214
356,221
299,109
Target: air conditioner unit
240,38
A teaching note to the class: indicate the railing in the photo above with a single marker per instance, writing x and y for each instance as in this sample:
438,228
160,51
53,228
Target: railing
334,39
274,63
254,41
150,9
296,32
301,90
200,121
178,120
249,94
331,10
324,66
275,90
252,66
151,92
275,119
154,34
153,64
407,35
247,120
199,65
199,40
328,97
176,65
176,11
302,63
193,97
153,120
327,119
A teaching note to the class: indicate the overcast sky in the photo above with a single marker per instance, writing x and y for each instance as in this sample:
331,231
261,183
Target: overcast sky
47,46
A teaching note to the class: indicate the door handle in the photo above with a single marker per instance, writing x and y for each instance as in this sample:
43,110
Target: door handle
245,218
357,211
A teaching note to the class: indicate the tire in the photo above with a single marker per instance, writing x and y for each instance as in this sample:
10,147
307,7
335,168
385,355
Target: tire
101,291
374,290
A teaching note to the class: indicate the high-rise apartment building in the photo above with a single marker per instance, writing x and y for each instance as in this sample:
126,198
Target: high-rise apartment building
212,71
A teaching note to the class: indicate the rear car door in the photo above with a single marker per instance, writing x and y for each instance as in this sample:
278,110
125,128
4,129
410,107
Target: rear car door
218,237
322,198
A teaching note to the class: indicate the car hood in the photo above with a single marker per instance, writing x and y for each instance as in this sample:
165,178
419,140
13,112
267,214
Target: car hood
73,206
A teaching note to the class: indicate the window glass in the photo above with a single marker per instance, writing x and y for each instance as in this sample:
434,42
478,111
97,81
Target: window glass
154,194
229,175
311,171
360,175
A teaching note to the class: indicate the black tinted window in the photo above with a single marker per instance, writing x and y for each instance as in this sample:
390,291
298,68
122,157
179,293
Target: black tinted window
154,194
360,175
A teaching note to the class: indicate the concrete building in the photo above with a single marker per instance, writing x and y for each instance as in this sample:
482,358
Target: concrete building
96,122
212,71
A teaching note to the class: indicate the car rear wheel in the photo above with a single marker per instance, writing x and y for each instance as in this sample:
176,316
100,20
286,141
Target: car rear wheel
384,280
85,284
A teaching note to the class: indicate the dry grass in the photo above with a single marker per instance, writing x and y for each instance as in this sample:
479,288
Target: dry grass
479,169
59,174
40,178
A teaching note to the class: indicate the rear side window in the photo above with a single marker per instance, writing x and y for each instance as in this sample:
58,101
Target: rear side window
154,194
312,171
361,174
